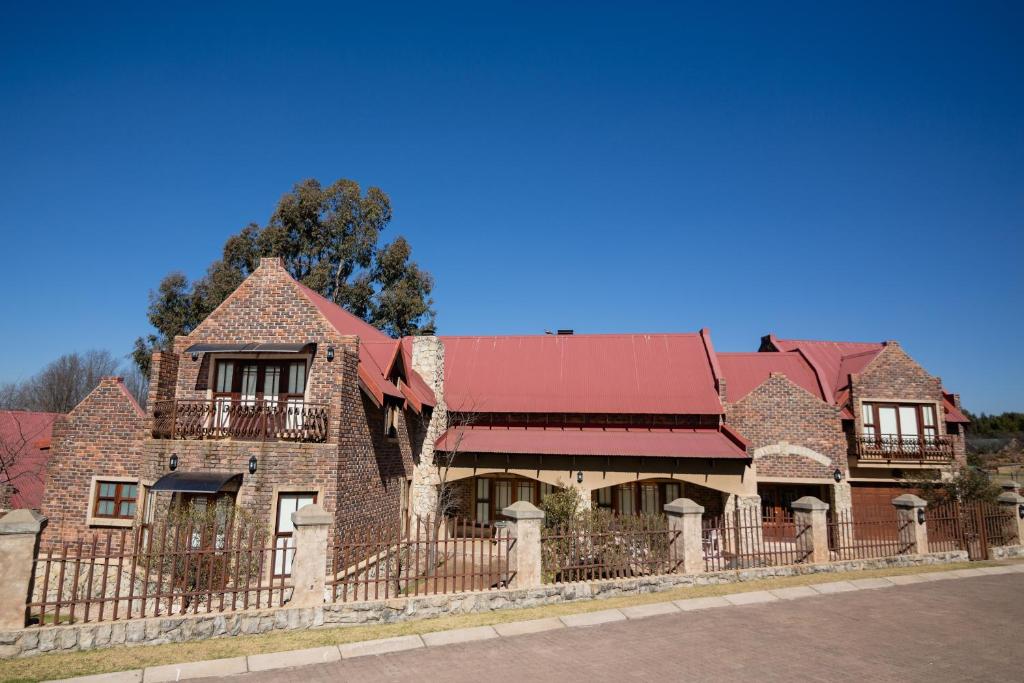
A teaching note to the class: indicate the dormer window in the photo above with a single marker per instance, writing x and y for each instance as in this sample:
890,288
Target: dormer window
391,421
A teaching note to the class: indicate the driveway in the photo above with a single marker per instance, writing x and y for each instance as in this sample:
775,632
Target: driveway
960,630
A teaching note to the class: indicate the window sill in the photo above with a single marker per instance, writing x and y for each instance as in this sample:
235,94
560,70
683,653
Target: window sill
104,522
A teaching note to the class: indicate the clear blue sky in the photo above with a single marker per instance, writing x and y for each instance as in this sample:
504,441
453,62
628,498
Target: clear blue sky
851,174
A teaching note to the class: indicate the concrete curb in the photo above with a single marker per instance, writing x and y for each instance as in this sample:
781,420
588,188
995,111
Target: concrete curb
366,648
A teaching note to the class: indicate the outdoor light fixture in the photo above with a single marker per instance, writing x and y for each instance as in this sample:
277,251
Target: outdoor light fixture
173,462
579,477
330,353
195,356
252,465
1020,510
837,475
920,515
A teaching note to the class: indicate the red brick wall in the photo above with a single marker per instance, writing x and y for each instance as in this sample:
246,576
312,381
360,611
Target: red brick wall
780,411
103,435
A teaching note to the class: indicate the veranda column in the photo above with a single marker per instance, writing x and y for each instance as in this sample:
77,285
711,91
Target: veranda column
309,566
810,516
1013,503
910,513
19,536
684,517
524,553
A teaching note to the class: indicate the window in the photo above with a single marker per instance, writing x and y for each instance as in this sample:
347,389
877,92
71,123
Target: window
247,381
284,542
502,492
908,422
603,498
115,500
391,421
483,500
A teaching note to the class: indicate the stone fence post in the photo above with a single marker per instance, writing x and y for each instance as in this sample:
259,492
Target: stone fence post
684,517
309,565
524,553
19,537
811,515
1013,503
910,515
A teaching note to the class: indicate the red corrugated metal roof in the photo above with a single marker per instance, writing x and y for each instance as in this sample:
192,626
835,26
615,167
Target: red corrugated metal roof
657,443
952,413
616,373
832,360
744,372
28,435
376,350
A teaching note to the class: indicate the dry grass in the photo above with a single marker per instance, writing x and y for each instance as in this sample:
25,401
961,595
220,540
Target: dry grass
49,666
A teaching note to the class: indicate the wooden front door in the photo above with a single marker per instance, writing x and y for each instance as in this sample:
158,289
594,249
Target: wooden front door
776,506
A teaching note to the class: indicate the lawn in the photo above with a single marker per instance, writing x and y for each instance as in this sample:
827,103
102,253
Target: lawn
66,665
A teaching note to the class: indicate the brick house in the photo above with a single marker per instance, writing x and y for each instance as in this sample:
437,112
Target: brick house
280,398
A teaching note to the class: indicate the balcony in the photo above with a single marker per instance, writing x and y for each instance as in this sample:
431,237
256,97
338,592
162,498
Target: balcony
895,448
245,420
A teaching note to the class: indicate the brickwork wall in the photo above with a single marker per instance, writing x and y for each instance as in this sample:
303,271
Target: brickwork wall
780,412
102,435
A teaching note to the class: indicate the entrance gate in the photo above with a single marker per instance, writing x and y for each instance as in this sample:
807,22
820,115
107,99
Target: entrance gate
973,526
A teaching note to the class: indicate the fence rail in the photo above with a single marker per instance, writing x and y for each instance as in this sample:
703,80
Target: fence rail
887,447
254,419
451,556
866,533
606,546
155,570
741,538
975,527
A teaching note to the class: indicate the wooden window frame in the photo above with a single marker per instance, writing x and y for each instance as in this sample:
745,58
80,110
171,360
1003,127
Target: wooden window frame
117,499
920,409
235,394
277,521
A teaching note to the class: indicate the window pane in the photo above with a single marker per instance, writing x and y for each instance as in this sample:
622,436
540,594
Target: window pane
225,371
649,499
546,490
127,510
502,495
128,491
249,384
672,492
604,497
524,491
908,420
107,490
627,500
483,512
867,413
297,378
887,420
106,507
271,383
483,489
929,415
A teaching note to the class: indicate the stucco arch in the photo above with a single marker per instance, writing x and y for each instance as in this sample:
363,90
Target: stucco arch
784,448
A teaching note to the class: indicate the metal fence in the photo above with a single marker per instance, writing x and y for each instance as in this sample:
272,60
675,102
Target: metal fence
605,546
741,538
973,526
157,570
867,532
452,555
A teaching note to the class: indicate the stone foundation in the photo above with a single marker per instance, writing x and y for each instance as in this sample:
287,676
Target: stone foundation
1006,552
177,629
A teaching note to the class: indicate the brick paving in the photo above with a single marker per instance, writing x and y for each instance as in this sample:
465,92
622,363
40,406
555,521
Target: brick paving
963,630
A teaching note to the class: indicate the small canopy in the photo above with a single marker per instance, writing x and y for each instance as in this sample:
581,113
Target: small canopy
198,482
249,348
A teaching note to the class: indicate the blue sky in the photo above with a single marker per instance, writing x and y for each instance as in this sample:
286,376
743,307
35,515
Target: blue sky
850,173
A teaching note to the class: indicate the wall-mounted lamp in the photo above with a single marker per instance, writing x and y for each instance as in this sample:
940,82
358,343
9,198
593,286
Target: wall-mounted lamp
173,462
838,475
579,477
252,465
330,353
920,515
1020,510
195,356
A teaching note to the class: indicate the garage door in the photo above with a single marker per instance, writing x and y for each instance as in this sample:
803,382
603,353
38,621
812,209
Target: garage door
872,500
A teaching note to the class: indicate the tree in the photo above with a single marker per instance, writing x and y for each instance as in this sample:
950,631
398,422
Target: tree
19,433
62,384
328,238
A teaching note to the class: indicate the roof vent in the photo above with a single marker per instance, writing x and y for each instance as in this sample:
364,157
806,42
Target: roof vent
565,332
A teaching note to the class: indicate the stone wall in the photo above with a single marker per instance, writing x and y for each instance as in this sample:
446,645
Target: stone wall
101,436
1006,552
156,631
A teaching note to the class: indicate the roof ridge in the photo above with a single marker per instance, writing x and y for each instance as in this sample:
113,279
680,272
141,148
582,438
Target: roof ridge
831,341
566,336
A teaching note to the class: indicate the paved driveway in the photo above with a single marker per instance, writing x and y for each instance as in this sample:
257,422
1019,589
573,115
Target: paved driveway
966,629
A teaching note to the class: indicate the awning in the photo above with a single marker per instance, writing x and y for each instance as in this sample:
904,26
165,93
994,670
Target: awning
952,413
198,482
655,443
249,348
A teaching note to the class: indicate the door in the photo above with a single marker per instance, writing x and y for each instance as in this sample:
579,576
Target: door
776,507
284,540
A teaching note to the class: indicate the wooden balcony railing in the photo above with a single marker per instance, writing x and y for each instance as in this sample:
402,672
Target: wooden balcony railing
252,420
898,448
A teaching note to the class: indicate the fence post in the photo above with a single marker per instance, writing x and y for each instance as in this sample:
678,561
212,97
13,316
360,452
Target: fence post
684,517
309,566
524,553
911,519
1013,503
811,515
19,537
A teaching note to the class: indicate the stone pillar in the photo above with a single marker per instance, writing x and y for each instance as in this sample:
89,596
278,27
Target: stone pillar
684,517
747,511
309,565
910,516
1013,503
524,554
842,497
19,537
811,518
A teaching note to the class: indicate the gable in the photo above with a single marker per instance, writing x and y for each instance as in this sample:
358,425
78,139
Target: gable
893,374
